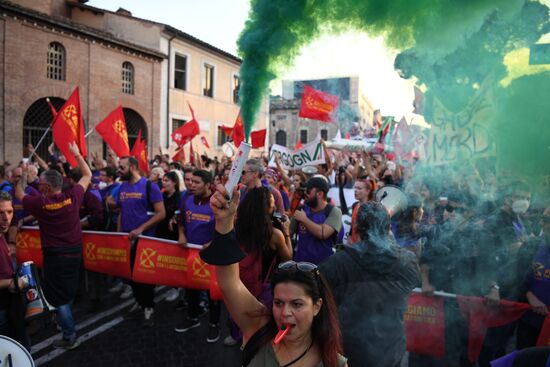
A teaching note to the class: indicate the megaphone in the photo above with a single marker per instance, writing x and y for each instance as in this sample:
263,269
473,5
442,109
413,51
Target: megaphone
392,198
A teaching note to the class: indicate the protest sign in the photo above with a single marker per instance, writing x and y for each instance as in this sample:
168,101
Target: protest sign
425,325
463,135
310,155
107,253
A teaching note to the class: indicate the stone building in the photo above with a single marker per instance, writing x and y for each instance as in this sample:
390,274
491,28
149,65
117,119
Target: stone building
47,54
287,128
49,47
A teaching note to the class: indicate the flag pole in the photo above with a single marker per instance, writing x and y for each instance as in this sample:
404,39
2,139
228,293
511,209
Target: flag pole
54,113
40,141
88,133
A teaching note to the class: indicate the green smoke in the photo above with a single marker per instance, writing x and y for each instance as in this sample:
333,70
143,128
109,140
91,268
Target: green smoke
277,30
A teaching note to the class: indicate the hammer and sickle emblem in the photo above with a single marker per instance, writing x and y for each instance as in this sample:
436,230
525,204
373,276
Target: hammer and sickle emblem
120,129
90,251
200,269
146,258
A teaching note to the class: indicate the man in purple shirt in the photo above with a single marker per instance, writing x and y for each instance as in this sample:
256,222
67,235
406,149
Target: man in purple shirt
197,227
141,208
61,238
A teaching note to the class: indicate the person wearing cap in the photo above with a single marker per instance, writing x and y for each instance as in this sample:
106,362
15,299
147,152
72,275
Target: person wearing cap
317,224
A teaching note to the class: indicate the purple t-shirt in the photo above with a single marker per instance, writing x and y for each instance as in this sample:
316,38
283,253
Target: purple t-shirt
198,221
134,208
538,282
310,248
18,211
57,216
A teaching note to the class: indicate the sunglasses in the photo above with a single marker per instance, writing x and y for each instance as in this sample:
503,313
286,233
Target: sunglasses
303,266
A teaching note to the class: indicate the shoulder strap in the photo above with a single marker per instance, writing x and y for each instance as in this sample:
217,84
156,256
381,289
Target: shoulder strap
254,344
148,192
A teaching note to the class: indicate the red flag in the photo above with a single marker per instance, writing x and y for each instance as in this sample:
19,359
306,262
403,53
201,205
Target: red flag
68,127
481,316
298,145
237,133
425,325
191,153
113,130
52,108
179,156
139,151
187,131
205,142
318,105
227,130
258,138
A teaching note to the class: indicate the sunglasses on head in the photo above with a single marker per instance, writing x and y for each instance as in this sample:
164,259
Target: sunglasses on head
304,266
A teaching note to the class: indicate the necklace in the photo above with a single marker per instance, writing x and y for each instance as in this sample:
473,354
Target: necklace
299,357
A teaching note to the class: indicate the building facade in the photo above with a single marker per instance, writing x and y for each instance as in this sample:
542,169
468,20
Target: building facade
287,128
193,73
154,71
45,54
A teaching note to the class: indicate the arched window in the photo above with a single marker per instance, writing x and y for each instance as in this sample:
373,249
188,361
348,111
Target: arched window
127,78
38,118
280,138
56,61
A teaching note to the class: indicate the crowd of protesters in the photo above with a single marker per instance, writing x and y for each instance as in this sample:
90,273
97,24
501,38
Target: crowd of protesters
465,230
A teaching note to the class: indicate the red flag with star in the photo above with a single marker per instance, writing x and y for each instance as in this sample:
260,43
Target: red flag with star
139,151
113,130
68,127
318,105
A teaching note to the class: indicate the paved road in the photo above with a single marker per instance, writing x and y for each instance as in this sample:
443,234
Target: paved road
113,337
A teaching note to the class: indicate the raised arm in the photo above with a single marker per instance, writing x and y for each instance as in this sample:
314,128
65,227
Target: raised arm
249,314
86,172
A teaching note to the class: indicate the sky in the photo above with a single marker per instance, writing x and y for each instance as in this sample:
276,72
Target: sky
219,23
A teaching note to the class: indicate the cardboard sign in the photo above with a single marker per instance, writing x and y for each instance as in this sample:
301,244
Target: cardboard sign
107,253
310,155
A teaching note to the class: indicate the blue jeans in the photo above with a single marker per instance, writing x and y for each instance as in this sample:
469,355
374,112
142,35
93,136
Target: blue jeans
66,321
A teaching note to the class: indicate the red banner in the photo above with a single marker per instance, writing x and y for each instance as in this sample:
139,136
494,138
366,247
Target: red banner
425,325
544,336
163,262
28,247
107,253
318,105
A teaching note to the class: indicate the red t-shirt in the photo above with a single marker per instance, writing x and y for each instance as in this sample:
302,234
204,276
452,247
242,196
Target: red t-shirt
58,216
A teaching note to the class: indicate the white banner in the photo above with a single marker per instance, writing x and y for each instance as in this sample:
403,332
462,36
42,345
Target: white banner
310,155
